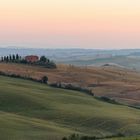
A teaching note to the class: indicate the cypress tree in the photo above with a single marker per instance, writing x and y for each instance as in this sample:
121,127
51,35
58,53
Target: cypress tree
7,58
17,57
10,58
13,58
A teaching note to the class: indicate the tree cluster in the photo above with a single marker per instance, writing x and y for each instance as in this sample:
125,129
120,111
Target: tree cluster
43,61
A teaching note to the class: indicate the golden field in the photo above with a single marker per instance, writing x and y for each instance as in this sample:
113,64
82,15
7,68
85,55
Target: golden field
118,83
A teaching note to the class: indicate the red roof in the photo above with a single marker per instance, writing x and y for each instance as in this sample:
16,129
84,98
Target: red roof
31,58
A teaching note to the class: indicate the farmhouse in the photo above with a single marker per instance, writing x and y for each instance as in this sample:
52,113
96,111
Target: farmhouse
32,58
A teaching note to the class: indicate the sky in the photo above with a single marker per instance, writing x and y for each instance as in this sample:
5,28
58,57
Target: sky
97,24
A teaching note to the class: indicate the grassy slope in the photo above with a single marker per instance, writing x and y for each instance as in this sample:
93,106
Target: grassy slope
121,84
126,138
30,111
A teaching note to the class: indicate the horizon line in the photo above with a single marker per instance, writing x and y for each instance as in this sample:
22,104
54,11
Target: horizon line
61,48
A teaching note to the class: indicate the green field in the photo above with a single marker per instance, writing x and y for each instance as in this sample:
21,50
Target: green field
33,111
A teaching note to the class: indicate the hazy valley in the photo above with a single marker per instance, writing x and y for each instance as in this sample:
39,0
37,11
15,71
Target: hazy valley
100,99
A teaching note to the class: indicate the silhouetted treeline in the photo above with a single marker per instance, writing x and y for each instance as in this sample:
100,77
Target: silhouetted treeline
11,58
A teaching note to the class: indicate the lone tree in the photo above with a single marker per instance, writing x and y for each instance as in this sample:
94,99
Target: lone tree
45,79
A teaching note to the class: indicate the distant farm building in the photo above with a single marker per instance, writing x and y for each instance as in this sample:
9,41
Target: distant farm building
32,58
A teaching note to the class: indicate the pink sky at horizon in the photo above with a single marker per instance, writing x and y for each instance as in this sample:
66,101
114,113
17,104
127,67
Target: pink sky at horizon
110,24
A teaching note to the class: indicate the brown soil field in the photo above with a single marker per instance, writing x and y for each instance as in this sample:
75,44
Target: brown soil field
117,83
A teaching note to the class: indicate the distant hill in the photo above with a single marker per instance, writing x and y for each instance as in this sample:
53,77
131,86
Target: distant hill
33,111
82,57
128,58
130,62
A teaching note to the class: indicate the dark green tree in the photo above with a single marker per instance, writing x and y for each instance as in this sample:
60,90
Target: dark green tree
43,59
17,57
10,57
7,58
2,59
64,138
45,79
13,57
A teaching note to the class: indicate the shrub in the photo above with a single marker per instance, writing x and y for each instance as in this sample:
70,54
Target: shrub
74,137
45,79
64,138
108,100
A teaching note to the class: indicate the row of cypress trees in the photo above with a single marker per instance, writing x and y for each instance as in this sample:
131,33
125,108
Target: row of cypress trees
11,58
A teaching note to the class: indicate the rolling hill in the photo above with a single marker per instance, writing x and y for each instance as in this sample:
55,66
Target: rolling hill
114,82
33,111
128,61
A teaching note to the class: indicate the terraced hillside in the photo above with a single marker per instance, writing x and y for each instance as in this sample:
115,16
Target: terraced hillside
114,82
33,111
